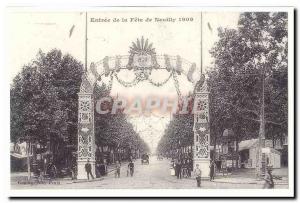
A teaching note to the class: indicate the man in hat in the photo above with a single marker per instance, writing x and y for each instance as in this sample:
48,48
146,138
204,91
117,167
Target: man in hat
88,169
131,168
212,171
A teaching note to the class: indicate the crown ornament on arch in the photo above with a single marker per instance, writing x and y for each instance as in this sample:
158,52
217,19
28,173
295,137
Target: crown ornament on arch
142,56
142,47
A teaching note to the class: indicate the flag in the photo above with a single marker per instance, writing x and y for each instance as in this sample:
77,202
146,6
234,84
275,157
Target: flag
71,31
209,27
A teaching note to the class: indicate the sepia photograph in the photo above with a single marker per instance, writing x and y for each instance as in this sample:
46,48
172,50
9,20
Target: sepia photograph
151,101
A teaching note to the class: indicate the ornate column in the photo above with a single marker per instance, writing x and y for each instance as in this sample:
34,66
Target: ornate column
201,129
86,136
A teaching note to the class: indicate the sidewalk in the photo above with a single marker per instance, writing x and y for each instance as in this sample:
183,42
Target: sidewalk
110,169
22,177
245,180
247,176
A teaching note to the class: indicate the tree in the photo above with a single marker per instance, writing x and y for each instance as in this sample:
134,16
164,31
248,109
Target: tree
114,130
44,101
179,133
248,82
44,108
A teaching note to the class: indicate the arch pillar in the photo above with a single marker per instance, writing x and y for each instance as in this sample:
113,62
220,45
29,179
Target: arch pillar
86,135
201,150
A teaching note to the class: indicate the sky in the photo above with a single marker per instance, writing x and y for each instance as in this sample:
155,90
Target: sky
27,32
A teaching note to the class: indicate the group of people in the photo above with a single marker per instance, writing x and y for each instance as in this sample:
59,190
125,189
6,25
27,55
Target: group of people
101,169
130,169
50,172
182,167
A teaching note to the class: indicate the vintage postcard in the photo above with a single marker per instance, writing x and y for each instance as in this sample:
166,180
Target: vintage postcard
137,101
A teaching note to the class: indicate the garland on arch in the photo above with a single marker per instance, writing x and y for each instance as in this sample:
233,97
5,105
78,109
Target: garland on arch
141,74
159,84
110,83
176,84
126,84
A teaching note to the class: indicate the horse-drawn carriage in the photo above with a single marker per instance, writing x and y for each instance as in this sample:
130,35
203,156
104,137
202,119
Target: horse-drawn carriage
145,159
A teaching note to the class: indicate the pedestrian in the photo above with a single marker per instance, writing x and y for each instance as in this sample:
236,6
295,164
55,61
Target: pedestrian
269,183
131,168
184,169
72,173
212,171
98,169
189,167
118,169
173,162
73,170
40,176
178,169
88,169
175,167
197,173
51,170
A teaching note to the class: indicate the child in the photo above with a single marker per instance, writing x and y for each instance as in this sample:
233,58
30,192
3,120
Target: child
198,175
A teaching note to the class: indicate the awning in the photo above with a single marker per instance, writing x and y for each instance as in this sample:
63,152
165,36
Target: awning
18,156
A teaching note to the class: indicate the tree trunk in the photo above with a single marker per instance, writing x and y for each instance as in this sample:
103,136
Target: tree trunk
34,161
237,153
28,161
215,144
113,155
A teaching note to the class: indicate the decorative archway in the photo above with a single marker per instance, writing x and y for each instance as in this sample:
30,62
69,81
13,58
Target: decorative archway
142,60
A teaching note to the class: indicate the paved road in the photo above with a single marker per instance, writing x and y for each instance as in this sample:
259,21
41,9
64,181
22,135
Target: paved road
156,175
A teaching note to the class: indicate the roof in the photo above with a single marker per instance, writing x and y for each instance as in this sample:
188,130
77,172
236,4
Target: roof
228,133
247,144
